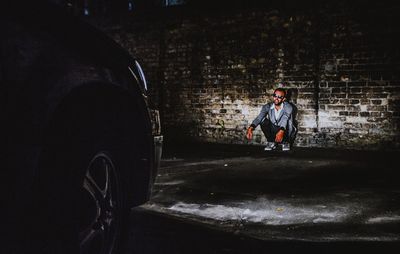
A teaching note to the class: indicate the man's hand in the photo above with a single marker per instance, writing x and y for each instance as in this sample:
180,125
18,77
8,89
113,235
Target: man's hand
249,133
279,136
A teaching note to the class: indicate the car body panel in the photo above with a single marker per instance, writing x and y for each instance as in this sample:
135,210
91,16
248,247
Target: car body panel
42,39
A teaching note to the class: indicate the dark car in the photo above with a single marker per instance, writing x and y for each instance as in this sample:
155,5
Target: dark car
83,145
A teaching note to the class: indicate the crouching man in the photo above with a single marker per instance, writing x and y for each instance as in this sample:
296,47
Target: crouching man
276,121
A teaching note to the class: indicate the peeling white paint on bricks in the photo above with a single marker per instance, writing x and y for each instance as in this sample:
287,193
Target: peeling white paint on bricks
356,119
303,102
329,124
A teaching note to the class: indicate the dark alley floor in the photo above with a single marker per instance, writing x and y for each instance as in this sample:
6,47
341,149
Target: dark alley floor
308,195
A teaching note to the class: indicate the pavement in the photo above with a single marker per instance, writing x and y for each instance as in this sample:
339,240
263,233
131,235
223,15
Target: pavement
307,195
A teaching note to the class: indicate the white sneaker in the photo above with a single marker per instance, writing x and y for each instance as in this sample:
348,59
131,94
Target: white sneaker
285,147
270,146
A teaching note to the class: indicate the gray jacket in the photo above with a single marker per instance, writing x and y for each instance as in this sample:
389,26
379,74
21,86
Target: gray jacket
284,120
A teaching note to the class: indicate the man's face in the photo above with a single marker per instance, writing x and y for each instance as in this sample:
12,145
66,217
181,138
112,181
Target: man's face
278,97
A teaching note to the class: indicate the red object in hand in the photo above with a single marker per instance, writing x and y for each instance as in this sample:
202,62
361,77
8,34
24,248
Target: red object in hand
249,133
279,136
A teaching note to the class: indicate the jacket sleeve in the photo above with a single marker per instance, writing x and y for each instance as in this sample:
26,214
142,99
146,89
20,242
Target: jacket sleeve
290,126
287,119
261,116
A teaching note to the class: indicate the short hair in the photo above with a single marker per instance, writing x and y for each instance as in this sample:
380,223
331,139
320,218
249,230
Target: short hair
280,90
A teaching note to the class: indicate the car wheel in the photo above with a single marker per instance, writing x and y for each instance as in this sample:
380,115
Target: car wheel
101,206
82,208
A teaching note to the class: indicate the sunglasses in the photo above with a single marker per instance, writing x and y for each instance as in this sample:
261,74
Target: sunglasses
278,96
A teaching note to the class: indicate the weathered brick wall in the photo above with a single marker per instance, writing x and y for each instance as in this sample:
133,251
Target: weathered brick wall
211,73
359,76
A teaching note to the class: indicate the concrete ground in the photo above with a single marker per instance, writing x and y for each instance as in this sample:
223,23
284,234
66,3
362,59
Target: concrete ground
306,195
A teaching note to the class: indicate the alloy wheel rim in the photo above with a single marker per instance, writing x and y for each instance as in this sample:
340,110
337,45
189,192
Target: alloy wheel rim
99,221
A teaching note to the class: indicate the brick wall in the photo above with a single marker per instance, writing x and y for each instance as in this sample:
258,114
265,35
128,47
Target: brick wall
211,72
359,76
